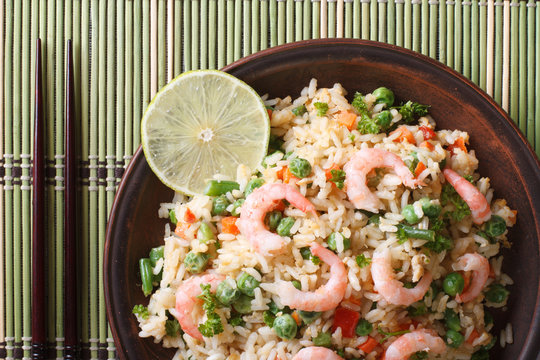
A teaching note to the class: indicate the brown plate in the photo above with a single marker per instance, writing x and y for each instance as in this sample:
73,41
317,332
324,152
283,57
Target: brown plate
456,103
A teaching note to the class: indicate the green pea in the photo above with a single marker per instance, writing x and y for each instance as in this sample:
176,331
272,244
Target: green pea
219,205
272,219
430,208
363,328
305,252
156,254
497,293
242,305
205,233
323,339
454,339
285,327
300,167
309,316
409,214
216,188
481,354
496,226
196,262
297,284
237,206
145,268
285,225
252,185
451,319
247,284
453,284
384,95
332,241
383,119
226,292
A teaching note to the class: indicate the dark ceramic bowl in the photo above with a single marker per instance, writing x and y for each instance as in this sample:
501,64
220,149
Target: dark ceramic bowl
456,103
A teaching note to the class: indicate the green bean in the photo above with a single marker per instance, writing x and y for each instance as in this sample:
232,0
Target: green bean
384,95
156,254
226,292
451,319
243,304
497,293
363,328
285,225
145,268
430,208
332,241
205,233
309,316
237,206
247,284
415,233
172,216
285,327
252,185
496,226
219,205
216,187
196,262
272,219
323,339
409,214
299,110
300,168
454,339
453,284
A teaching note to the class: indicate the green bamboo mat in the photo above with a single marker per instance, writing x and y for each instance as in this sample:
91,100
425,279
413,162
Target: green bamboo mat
125,50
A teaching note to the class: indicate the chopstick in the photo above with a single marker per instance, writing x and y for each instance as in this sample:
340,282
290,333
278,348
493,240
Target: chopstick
39,333
70,249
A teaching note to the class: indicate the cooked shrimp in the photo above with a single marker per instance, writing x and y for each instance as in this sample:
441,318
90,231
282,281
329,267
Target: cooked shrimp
418,340
389,287
326,297
186,301
361,164
469,193
316,353
479,266
257,204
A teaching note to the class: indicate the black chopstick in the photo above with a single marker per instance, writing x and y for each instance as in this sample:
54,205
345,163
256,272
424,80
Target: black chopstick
39,332
70,216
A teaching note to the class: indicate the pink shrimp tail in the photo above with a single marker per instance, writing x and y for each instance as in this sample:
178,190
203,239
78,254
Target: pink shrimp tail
479,265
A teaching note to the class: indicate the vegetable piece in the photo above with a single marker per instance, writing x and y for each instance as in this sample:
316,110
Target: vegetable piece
427,145
367,125
454,339
237,206
334,237
141,311
156,254
362,260
338,178
384,95
237,320
412,232
172,216
189,217
321,107
145,268
309,316
299,110
481,354
488,318
219,205
307,255
288,177
247,284
252,185
417,309
453,284
275,143
419,168
181,227
285,225
297,284
427,132
409,214
296,318
419,355
345,319
388,335
228,225
196,262
404,134
300,168
363,328
212,326
374,219
450,195
458,144
272,219
226,292
347,119
431,209
451,319
384,120
242,305
268,318
369,345
205,233
497,293
359,103
172,327
411,110
285,326
216,188
496,226
473,336
323,339
440,244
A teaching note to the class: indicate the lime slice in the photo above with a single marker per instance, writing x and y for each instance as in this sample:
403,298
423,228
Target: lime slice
201,124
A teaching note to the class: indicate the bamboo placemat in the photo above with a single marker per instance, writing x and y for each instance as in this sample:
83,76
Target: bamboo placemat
124,51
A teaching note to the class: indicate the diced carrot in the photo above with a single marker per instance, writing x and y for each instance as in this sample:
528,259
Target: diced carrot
403,327
347,320
404,135
269,112
296,318
288,177
181,227
491,272
347,119
512,218
427,145
474,335
355,301
369,345
458,144
328,172
189,217
427,132
280,173
280,206
419,168
228,225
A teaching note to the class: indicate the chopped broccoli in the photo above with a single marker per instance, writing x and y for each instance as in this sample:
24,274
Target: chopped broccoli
362,260
338,177
141,311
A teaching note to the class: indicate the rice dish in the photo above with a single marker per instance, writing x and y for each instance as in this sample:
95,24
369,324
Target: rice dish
423,254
